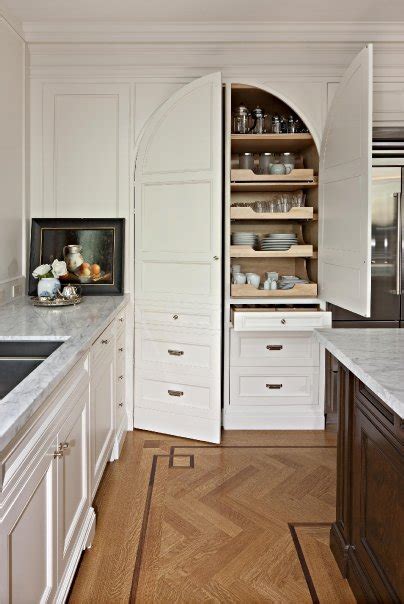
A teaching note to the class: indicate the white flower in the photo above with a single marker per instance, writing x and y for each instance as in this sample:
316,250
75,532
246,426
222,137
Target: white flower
59,268
41,271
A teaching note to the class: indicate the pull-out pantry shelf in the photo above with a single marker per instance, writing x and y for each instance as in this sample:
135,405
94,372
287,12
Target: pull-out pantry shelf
295,251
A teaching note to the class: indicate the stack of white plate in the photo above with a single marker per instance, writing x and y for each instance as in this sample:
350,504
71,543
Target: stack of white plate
277,242
244,239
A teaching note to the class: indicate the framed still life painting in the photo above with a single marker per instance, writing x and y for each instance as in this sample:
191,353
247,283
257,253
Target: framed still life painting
93,249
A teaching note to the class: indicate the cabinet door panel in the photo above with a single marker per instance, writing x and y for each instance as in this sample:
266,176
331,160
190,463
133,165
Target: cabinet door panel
102,414
73,477
28,539
345,191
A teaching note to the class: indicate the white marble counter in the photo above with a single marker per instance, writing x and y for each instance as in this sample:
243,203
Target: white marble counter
375,356
78,326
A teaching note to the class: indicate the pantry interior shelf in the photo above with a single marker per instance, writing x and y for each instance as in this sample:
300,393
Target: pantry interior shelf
278,143
295,251
300,290
247,213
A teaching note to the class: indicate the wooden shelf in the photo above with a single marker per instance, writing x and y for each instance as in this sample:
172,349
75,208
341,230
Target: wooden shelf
247,213
258,143
300,290
247,180
295,251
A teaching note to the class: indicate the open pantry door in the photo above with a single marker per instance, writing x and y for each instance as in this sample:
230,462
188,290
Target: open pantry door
178,245
345,191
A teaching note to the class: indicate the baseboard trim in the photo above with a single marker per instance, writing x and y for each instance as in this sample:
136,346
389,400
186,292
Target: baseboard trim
275,422
175,424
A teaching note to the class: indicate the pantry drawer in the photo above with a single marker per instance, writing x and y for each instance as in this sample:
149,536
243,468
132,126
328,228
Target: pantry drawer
283,321
178,316
120,354
121,321
195,351
185,396
283,386
274,349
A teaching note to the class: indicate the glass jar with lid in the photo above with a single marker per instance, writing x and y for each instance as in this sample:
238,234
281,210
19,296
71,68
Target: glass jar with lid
288,160
241,120
246,161
258,116
265,161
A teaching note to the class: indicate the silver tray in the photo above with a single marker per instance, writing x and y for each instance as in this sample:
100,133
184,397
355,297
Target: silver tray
56,302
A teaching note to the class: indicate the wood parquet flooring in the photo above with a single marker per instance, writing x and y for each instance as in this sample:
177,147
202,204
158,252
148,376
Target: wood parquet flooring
187,523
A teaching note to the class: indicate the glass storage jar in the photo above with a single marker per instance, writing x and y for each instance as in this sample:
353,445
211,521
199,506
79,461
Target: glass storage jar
265,161
288,160
246,161
241,120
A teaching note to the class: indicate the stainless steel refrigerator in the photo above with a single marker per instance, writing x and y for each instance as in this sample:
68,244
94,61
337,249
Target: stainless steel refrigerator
387,294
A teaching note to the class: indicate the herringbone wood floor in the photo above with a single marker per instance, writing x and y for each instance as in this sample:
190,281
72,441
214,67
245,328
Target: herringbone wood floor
183,522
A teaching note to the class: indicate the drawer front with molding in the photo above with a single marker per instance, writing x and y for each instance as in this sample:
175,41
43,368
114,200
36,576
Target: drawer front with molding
178,316
282,386
105,342
197,352
188,396
120,354
121,321
274,349
283,321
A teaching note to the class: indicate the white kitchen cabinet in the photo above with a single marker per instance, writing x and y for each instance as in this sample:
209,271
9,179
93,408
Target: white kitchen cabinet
72,479
178,211
28,552
102,404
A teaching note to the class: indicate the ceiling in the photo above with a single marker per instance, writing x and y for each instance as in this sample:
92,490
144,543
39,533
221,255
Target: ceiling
163,11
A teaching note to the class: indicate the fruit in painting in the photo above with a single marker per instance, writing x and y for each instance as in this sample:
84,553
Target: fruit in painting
95,269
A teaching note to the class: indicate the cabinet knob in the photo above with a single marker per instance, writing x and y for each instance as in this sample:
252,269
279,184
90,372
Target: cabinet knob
283,321
57,453
215,257
64,445
175,317
120,349
120,405
121,377
104,341
121,319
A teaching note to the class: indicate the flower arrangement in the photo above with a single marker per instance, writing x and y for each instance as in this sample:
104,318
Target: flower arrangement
50,271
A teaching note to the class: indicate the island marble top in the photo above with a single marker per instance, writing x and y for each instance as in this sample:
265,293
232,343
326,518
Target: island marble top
375,356
78,326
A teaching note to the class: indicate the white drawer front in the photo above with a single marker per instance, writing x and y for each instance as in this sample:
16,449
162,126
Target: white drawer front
284,321
273,387
188,396
274,349
175,350
173,316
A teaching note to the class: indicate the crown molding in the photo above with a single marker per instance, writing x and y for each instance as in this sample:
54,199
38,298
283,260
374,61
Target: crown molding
212,32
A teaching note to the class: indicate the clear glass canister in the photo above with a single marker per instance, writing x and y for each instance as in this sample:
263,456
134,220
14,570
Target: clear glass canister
241,120
246,161
288,160
265,161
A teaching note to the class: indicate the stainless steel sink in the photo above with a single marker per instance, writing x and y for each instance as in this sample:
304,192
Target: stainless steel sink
19,357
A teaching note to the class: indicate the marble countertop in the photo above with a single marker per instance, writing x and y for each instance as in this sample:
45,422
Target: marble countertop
375,356
77,326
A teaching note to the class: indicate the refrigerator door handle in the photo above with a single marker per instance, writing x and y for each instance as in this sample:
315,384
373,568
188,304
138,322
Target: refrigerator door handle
399,245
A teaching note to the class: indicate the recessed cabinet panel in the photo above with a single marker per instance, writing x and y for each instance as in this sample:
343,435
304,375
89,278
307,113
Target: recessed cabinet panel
176,278
175,353
190,116
177,217
170,395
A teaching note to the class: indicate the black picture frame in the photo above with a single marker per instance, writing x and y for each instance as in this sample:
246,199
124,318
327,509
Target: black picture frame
103,241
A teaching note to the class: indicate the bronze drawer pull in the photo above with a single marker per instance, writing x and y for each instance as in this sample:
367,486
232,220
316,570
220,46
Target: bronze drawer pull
176,353
175,393
274,347
274,386
175,317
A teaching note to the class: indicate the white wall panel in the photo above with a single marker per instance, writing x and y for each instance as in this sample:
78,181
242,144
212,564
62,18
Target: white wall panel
12,124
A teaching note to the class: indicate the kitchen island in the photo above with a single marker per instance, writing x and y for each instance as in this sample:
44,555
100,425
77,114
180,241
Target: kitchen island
367,537
61,421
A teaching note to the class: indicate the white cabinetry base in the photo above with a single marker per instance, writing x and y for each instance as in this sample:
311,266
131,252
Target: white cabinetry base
304,421
177,425
84,541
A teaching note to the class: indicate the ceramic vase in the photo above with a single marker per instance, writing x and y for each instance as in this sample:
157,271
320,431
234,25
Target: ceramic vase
48,287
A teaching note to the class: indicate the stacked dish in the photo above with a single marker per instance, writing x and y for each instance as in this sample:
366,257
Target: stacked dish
244,239
289,281
277,242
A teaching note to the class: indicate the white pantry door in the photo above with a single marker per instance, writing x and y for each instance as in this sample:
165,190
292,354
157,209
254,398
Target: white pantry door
178,244
345,191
